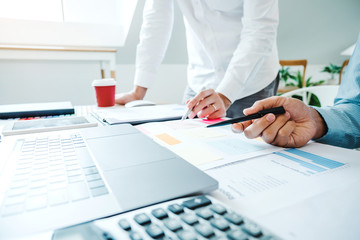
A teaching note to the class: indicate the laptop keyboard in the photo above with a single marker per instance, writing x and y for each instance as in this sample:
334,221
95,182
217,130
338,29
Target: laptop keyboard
52,171
187,219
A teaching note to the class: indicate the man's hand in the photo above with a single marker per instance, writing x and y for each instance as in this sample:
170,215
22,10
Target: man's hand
138,93
295,128
210,104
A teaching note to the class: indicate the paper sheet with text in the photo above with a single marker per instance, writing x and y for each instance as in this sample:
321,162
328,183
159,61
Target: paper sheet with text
268,183
205,147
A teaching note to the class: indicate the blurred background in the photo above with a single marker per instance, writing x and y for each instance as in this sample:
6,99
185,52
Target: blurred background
315,30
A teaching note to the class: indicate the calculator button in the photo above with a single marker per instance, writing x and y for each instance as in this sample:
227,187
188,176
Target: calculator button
197,202
176,208
237,235
107,236
234,218
142,219
135,236
187,235
189,218
159,213
155,231
173,225
219,209
124,224
205,230
252,229
205,213
220,224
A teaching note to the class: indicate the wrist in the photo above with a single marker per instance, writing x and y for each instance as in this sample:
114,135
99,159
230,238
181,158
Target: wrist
225,100
320,125
139,92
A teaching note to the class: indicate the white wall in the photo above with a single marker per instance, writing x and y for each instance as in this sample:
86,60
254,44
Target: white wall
40,81
168,88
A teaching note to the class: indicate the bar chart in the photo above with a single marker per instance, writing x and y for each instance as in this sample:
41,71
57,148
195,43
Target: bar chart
309,163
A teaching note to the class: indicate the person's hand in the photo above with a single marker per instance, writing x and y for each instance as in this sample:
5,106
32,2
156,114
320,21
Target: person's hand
138,93
295,128
208,103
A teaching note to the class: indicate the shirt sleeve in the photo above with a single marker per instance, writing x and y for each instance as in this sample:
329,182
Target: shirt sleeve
343,119
257,43
343,125
155,33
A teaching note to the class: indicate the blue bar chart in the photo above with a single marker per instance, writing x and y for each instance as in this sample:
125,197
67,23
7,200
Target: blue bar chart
310,163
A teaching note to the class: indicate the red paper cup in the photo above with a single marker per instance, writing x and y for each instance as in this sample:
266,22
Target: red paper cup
105,92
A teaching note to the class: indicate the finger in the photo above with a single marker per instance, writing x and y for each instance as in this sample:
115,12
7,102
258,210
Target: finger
210,107
204,106
265,104
199,109
270,133
212,111
257,127
122,98
240,127
283,137
217,114
203,94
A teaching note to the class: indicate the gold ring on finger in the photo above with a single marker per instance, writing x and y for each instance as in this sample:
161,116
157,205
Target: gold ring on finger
214,107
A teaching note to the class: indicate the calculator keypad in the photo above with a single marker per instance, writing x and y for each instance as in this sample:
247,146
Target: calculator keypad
193,218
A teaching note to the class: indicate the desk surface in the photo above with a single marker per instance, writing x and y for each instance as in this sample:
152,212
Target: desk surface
293,205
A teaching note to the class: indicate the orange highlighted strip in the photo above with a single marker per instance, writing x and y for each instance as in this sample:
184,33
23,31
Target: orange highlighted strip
168,139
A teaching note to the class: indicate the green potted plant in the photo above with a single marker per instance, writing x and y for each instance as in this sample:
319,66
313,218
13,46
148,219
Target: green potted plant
333,70
314,100
297,81
287,79
285,75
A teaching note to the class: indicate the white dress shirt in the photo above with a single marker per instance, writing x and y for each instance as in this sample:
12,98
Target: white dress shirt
231,44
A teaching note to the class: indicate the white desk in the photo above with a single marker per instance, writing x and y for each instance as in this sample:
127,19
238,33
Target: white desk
106,56
305,219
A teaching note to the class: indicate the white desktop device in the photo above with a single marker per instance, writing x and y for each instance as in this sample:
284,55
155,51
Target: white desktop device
139,103
58,179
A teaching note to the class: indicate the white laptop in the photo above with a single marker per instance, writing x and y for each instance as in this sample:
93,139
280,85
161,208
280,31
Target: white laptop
58,179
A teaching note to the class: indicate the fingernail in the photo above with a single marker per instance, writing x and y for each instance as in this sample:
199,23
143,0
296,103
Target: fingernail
270,117
246,109
287,115
236,130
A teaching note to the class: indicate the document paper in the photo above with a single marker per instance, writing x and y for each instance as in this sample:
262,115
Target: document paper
205,147
265,184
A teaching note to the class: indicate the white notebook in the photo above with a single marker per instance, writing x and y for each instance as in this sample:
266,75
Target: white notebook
139,115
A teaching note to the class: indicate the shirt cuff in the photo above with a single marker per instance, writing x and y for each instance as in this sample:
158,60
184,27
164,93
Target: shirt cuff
144,79
231,93
331,125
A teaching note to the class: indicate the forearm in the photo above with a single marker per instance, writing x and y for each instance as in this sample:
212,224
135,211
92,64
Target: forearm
139,92
155,34
343,125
